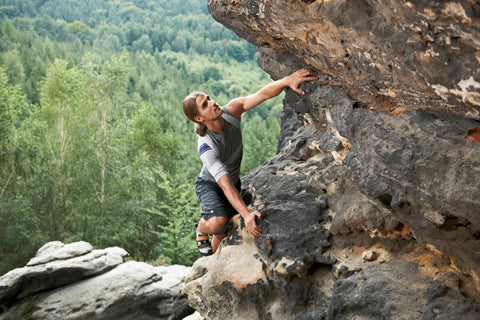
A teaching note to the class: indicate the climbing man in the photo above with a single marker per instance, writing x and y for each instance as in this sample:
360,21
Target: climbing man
220,148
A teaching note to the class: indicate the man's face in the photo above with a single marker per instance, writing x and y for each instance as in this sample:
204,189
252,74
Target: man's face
207,108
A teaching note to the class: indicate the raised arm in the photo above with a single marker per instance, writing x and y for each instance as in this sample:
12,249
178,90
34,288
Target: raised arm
239,105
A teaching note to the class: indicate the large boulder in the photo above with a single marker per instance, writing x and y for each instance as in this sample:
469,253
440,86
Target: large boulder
55,265
371,206
73,281
328,250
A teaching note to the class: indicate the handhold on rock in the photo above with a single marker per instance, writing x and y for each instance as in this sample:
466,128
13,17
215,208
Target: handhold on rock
473,135
369,255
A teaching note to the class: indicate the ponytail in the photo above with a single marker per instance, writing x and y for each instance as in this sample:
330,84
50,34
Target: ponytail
190,110
200,128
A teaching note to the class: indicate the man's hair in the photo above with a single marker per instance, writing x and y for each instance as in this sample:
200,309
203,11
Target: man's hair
191,111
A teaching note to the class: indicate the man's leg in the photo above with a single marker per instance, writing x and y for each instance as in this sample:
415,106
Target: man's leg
217,238
212,226
216,211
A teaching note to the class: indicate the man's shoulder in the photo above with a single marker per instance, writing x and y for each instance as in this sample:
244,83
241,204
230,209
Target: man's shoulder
230,118
206,138
236,107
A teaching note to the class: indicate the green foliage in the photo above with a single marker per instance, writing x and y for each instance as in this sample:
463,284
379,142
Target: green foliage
15,70
11,103
177,238
260,141
94,145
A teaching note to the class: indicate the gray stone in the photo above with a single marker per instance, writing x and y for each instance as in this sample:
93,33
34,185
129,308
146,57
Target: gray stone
133,290
56,265
73,281
379,291
388,53
56,250
377,156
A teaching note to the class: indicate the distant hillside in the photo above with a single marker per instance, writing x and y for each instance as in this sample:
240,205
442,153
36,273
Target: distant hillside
94,145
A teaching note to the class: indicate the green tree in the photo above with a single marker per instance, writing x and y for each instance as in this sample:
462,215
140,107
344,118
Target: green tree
178,213
211,73
17,241
61,93
87,155
144,44
179,44
260,141
12,102
15,71
80,30
236,50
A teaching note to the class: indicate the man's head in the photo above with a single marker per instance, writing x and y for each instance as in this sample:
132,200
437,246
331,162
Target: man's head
191,112
200,108
190,105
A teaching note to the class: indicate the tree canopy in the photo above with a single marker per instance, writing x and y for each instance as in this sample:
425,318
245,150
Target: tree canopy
94,145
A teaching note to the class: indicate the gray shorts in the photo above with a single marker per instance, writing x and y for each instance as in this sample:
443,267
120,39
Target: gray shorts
213,201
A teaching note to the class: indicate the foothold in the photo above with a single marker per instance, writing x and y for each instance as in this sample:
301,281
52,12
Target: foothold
435,217
342,270
369,255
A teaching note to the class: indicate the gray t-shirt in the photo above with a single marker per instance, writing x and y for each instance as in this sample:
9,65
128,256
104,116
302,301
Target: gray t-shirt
222,153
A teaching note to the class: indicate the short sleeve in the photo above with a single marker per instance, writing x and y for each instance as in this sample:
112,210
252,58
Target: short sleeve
211,160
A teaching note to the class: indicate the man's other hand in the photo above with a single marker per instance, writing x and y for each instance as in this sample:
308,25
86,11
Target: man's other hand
251,223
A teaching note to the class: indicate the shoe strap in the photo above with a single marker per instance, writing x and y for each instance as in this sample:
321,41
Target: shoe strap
202,237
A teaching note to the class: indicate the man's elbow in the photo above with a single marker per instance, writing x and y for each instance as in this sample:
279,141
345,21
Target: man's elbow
224,182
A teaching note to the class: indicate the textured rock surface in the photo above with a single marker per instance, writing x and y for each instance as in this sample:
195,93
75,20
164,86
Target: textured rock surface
414,54
55,265
372,206
329,250
73,281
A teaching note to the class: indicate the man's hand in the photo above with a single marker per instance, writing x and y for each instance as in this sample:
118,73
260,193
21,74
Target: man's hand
233,196
251,223
300,76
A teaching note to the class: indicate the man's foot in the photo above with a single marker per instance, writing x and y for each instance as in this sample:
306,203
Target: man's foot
203,244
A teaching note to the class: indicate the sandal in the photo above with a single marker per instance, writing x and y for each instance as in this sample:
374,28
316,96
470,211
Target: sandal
203,244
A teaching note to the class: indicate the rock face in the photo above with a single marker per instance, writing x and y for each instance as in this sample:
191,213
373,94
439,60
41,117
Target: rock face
413,54
75,282
372,205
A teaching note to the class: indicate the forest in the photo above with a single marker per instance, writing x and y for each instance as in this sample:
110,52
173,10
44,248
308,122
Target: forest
94,145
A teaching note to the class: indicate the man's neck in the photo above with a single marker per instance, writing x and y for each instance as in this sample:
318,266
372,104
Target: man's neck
216,125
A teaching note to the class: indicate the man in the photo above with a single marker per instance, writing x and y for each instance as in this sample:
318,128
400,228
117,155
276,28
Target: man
220,148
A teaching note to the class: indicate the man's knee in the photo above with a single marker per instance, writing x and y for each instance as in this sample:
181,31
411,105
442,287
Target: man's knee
216,224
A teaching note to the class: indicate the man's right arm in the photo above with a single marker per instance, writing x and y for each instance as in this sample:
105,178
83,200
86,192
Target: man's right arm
216,168
233,196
